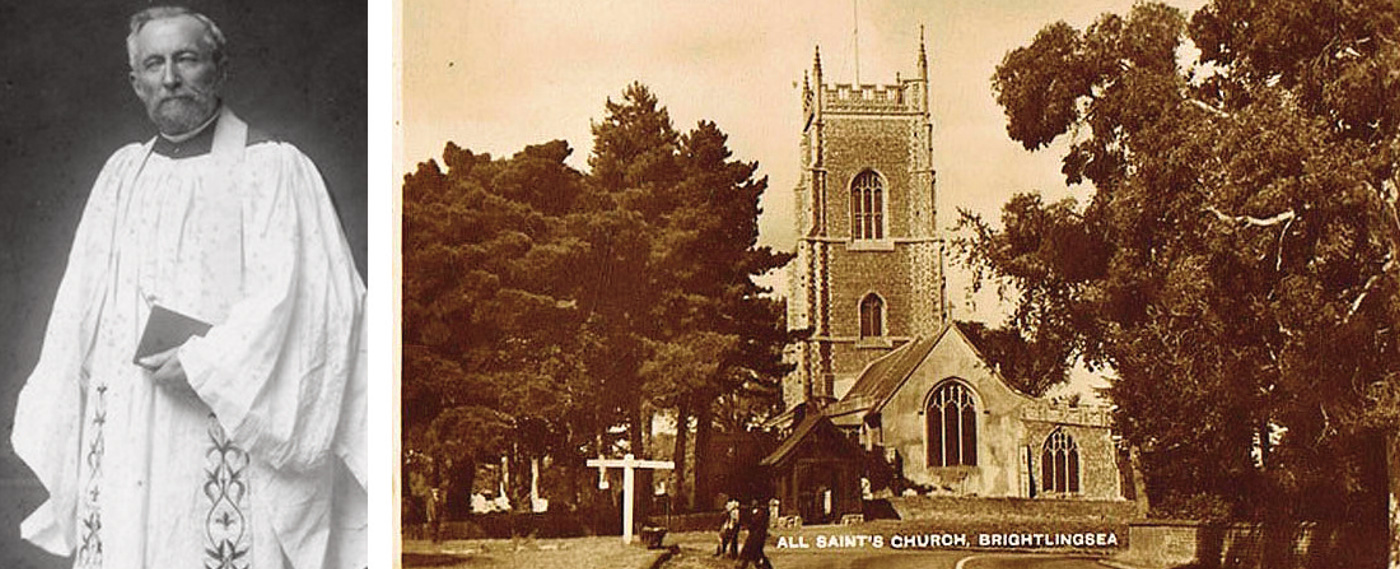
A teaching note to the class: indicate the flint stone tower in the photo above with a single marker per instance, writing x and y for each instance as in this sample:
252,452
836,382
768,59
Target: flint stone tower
868,274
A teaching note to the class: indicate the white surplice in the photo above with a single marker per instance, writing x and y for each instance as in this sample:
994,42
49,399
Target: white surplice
266,467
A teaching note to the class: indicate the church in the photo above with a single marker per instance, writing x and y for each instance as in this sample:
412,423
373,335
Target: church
889,396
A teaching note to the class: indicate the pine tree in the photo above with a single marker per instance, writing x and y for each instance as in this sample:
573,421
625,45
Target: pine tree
698,325
491,338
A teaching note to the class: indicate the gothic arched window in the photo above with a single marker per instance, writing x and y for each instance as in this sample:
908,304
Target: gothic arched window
1059,463
952,426
872,316
867,207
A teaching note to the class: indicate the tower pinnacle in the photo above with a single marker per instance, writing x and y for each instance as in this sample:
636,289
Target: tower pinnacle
923,55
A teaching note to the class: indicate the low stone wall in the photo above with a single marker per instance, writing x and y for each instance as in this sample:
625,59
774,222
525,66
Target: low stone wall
1171,544
1011,509
1161,544
698,521
501,525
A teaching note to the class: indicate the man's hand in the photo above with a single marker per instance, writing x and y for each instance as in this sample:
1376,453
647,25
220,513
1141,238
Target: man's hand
167,373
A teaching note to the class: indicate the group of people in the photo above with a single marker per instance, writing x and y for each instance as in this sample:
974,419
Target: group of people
755,519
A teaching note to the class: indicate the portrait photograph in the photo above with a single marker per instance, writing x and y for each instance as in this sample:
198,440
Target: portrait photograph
182,264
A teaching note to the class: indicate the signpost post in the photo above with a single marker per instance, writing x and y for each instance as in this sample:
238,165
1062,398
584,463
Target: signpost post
629,492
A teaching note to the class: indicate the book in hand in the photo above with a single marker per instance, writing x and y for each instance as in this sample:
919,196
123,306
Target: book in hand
167,329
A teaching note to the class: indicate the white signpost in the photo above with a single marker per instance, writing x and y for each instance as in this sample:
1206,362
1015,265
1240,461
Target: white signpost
629,491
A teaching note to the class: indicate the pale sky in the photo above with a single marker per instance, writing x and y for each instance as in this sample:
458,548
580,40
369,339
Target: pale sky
497,75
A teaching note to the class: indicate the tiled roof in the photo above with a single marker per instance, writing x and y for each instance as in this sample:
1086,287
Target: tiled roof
789,444
815,429
884,375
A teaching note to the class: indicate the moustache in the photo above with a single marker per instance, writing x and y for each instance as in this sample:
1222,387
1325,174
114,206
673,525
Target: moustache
178,99
190,96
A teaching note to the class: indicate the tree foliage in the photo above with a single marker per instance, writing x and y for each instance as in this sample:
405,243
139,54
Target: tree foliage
704,331
492,339
1031,366
545,307
1235,265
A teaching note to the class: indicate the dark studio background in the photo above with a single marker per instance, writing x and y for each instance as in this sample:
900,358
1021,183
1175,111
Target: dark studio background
297,71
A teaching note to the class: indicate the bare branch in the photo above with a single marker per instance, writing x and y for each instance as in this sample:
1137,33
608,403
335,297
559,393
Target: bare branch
1278,259
1249,220
1207,108
1326,425
1366,289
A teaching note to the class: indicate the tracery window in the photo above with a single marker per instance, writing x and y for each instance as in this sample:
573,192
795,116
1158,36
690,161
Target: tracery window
1059,463
952,426
872,316
867,207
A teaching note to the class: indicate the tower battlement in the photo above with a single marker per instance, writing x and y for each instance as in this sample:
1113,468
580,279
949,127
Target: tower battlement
845,97
904,96
1066,414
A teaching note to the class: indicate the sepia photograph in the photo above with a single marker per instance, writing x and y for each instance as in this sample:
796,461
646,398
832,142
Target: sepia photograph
861,283
183,265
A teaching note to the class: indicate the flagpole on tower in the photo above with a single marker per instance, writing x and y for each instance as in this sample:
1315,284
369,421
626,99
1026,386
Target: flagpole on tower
855,19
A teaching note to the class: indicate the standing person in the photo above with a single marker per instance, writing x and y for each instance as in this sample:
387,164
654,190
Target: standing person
434,522
199,399
756,539
729,530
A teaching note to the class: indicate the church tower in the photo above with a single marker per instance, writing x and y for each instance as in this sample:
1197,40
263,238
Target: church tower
868,273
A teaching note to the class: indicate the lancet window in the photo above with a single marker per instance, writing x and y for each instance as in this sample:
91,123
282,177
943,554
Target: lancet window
872,316
1059,463
867,207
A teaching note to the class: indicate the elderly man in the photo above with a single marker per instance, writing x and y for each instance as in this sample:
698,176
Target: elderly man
199,399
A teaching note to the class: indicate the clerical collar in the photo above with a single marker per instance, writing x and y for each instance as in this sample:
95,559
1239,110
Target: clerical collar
189,145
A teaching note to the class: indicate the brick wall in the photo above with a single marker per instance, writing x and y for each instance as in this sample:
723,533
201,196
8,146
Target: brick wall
1254,546
940,508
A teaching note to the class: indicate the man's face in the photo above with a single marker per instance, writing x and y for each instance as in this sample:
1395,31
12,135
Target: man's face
175,74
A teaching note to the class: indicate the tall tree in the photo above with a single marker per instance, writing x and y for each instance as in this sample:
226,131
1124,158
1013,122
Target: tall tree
491,338
1235,265
700,327
714,256
633,178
